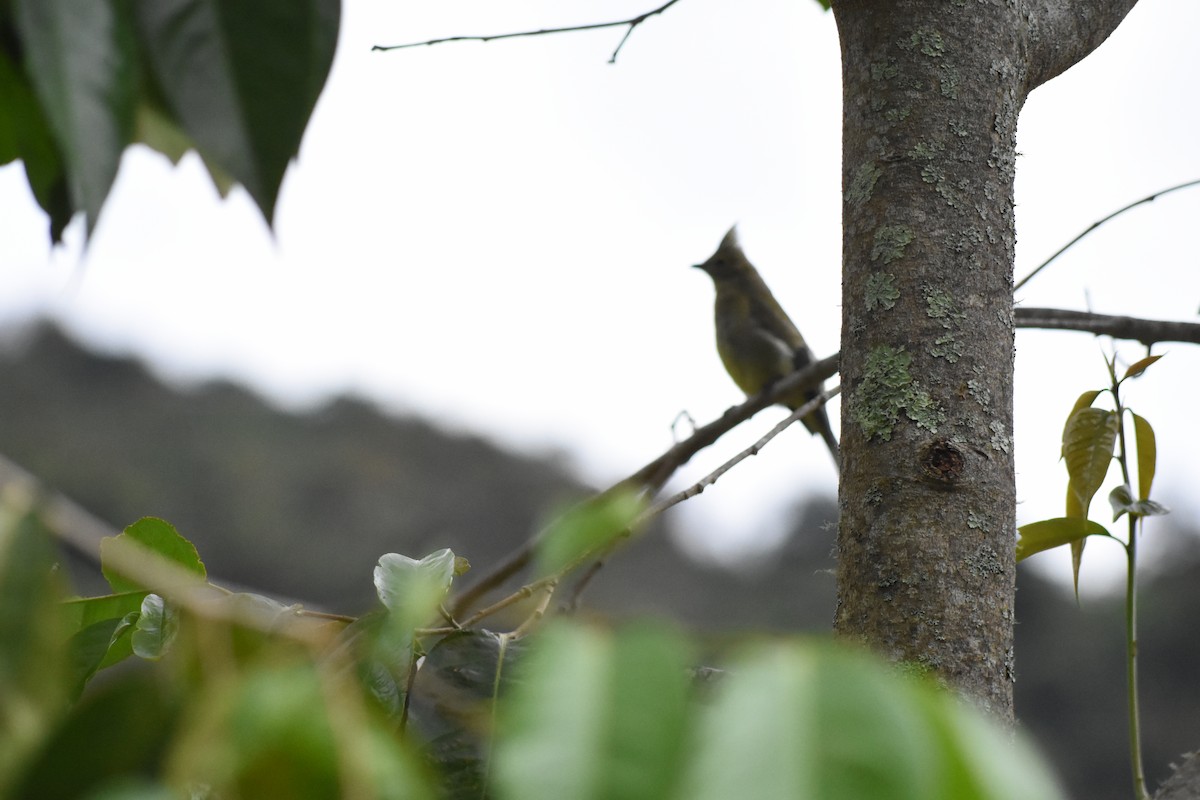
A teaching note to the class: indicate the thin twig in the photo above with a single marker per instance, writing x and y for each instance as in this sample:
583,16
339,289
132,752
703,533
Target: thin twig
699,487
1147,199
651,477
753,450
629,24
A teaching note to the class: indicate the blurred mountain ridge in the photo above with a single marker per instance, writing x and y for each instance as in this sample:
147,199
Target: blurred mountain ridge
302,505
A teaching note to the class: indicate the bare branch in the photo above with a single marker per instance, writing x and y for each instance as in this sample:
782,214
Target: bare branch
629,25
1147,199
1146,331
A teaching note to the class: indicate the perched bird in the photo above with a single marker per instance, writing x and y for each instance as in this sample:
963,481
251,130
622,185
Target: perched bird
756,340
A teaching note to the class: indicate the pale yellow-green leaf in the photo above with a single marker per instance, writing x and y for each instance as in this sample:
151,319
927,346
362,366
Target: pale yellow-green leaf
1147,455
1050,533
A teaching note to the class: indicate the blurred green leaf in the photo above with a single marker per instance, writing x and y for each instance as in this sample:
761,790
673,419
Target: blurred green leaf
34,672
1050,533
601,715
156,628
242,79
88,649
381,650
291,730
120,729
84,611
821,721
594,715
80,56
551,743
1147,455
586,530
25,134
151,534
649,693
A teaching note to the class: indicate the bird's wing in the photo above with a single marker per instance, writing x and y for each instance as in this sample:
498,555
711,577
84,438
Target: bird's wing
770,316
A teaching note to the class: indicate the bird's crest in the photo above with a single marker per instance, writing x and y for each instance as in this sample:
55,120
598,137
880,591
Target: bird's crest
730,242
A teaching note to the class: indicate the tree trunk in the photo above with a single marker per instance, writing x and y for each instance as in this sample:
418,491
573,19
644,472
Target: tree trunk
932,90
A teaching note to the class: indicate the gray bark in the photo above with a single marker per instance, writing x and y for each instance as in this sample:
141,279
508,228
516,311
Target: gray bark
932,90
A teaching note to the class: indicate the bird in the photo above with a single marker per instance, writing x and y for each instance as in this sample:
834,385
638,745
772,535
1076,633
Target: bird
757,341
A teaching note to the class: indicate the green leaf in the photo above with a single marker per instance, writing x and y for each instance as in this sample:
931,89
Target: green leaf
649,693
34,676
596,715
147,535
1050,533
552,735
80,56
384,650
600,715
25,134
586,530
411,589
118,730
1147,455
1138,367
85,611
1089,438
453,704
159,131
242,78
292,730
88,649
820,721
156,628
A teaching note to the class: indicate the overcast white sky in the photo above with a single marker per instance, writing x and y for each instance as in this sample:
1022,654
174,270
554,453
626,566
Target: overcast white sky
498,236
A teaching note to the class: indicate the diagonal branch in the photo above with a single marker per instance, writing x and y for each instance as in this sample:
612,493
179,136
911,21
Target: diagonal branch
651,477
629,25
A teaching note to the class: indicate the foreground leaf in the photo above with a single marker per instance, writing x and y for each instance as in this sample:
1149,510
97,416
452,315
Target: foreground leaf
787,720
34,677
148,536
81,59
586,530
242,79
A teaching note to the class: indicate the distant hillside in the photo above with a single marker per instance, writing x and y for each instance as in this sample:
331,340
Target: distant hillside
296,504
303,504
